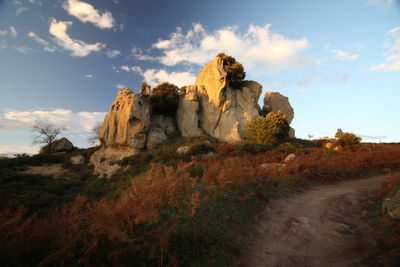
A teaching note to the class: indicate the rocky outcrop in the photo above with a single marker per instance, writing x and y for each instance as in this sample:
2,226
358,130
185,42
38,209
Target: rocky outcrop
187,115
211,106
274,102
60,145
216,108
124,130
127,122
77,160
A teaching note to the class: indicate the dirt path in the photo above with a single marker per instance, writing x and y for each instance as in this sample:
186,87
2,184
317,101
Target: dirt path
322,227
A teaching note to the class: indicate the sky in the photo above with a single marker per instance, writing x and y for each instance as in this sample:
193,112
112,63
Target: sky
63,61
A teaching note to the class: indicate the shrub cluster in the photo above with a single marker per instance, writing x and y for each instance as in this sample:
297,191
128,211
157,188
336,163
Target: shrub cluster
234,69
347,139
164,99
271,129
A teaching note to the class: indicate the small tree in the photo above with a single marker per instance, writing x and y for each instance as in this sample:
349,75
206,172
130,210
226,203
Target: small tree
46,133
94,136
235,71
347,139
271,129
164,99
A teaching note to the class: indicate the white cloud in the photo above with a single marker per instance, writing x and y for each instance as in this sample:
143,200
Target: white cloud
35,2
131,69
78,48
87,13
89,76
259,49
19,7
72,121
112,53
23,49
46,45
392,52
9,151
154,77
13,31
343,55
120,86
3,33
385,4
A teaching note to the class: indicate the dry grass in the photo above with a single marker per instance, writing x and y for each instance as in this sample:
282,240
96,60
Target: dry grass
143,223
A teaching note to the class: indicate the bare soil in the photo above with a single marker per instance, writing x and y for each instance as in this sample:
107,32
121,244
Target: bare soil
322,227
54,170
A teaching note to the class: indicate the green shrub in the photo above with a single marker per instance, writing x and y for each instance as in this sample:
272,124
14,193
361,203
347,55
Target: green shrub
270,129
234,69
347,139
164,99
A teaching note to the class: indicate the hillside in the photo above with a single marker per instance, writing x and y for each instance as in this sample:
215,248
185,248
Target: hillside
166,208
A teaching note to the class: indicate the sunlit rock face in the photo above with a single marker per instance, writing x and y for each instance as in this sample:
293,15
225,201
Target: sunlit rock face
124,131
275,102
211,106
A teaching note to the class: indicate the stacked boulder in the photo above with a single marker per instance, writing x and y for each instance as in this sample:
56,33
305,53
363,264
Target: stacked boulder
211,106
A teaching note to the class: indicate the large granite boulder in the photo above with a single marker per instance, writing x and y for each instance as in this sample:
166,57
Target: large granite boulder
216,108
391,205
274,102
161,127
124,130
60,145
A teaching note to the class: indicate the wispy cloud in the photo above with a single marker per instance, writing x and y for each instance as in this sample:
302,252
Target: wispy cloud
78,48
120,86
19,7
385,4
87,13
12,150
73,121
113,53
157,76
46,45
13,32
23,49
89,76
392,52
343,55
259,48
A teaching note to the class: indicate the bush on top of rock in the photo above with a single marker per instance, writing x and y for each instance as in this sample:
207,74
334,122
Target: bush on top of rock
234,69
164,99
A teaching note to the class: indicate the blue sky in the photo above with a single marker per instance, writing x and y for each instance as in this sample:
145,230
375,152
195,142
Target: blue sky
62,61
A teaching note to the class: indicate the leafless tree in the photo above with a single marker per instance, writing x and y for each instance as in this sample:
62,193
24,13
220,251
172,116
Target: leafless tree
46,133
94,137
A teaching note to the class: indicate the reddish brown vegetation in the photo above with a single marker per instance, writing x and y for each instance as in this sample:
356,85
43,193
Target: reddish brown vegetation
76,232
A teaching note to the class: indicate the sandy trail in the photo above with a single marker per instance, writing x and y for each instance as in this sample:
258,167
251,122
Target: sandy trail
322,227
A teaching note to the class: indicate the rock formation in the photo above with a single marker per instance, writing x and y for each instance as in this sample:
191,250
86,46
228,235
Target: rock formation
124,131
60,145
274,102
214,107
211,106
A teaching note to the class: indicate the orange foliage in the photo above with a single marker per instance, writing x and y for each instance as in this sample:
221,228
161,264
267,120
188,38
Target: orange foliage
81,225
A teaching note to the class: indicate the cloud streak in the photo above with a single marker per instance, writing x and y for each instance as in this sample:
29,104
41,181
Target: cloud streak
78,48
46,45
83,121
87,13
343,55
392,52
259,49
